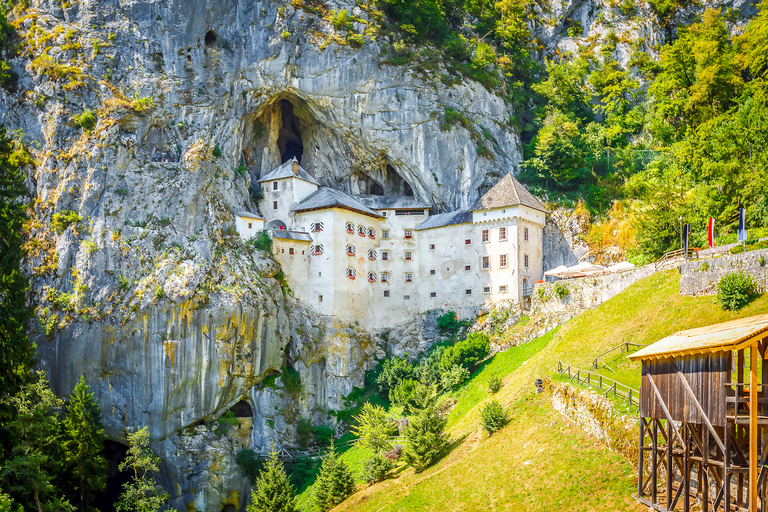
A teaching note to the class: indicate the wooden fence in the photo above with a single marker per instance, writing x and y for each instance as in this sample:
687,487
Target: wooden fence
623,347
285,454
605,385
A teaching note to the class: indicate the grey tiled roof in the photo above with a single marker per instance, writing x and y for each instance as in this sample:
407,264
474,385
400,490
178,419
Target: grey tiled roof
284,234
393,202
325,197
286,171
508,192
446,219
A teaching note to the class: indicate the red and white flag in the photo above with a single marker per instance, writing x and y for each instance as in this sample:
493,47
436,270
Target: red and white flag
711,232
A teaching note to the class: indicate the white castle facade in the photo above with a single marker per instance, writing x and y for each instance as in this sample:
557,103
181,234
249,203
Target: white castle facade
381,260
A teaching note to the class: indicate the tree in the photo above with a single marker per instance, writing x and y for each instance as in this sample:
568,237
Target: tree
374,428
84,440
334,482
139,494
274,492
16,352
425,438
393,371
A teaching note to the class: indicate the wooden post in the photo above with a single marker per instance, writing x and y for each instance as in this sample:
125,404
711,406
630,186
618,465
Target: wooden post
654,459
726,476
670,443
753,428
686,469
640,459
705,468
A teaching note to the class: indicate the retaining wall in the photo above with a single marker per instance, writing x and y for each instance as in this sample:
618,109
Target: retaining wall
700,277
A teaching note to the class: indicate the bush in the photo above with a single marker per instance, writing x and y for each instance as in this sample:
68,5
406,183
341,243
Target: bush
263,241
448,323
340,20
291,381
305,432
323,434
393,371
250,463
374,427
334,482
86,120
425,438
404,395
226,421
561,291
493,416
302,471
453,377
494,384
376,468
62,220
216,151
467,353
734,290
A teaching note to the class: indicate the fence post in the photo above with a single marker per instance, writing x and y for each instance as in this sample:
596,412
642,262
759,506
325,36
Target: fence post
600,382
629,396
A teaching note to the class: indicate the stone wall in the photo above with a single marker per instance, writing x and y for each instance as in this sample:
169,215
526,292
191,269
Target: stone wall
700,277
585,292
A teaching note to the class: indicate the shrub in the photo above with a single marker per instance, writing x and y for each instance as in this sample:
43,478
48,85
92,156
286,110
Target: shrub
561,291
355,40
86,120
494,384
453,377
393,371
334,481
467,353
340,20
404,395
263,241
761,261
291,381
323,434
376,468
90,247
425,438
122,282
305,432
734,290
226,421
493,416
159,293
285,34
142,104
250,463
374,427
448,323
62,220
274,492
302,470
216,151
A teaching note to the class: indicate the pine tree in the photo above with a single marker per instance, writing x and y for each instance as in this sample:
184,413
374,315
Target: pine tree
139,494
16,352
425,438
84,440
334,482
274,491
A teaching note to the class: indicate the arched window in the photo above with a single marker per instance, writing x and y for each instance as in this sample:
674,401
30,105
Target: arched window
371,233
350,228
371,254
351,251
372,277
361,231
351,273
316,227
316,250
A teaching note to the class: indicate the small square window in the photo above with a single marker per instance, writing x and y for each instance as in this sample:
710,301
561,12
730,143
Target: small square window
503,289
275,186
487,289
319,298
431,246
486,262
502,234
406,297
385,234
282,251
274,205
250,225
467,292
302,253
408,256
384,277
432,272
525,234
408,233
502,260
386,293
408,277
526,261
433,294
468,241
486,236
467,267
385,255
290,250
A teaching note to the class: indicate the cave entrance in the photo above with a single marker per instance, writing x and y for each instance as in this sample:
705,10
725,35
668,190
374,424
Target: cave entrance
289,138
229,508
115,453
396,185
242,409
210,38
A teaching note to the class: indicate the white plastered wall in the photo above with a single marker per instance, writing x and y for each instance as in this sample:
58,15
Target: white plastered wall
247,227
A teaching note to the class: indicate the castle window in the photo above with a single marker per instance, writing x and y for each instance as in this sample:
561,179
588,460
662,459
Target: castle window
487,289
408,277
408,233
350,228
290,251
316,227
385,234
361,231
316,250
432,272
351,273
385,255
467,292
274,205
431,246
486,236
503,289
319,298
371,254
384,277
371,233
526,261
486,262
250,225
525,234
372,277
502,234
467,267
433,294
386,293
282,251
408,256
502,260
350,250
275,185
406,297
468,241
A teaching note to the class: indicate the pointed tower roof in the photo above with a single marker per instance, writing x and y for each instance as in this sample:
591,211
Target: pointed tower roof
508,192
289,169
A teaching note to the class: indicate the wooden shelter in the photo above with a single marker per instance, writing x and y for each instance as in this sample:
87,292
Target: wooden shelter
703,417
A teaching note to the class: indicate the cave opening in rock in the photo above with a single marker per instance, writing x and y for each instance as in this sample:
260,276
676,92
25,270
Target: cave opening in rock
210,38
289,139
377,190
228,508
115,453
242,409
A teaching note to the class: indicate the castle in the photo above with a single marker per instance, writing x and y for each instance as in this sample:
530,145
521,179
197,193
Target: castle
380,260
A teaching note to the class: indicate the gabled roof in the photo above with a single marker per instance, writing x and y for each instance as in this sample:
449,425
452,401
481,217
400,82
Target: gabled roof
508,192
286,171
446,219
325,197
393,202
248,215
733,335
285,234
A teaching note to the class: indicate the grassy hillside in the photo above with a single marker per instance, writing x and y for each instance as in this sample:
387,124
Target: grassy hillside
537,462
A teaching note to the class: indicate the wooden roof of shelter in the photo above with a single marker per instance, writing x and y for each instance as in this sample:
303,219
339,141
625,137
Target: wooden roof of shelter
733,335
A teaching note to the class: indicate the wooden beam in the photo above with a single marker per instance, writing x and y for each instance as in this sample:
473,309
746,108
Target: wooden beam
666,411
753,429
696,403
640,456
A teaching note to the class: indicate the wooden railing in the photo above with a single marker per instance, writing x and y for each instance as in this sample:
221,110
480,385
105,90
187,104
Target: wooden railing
628,395
624,346
285,454
672,255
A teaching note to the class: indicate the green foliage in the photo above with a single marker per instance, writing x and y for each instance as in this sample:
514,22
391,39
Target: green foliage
216,151
262,241
250,463
283,35
425,438
453,377
225,422
393,371
123,282
302,471
493,416
449,323
62,220
323,434
334,481
735,290
494,384
140,493
274,491
159,293
142,104
304,432
85,120
560,290
291,381
340,20
467,353
376,468
404,395
16,352
374,428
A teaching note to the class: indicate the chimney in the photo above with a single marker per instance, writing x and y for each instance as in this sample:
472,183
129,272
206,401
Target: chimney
295,166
